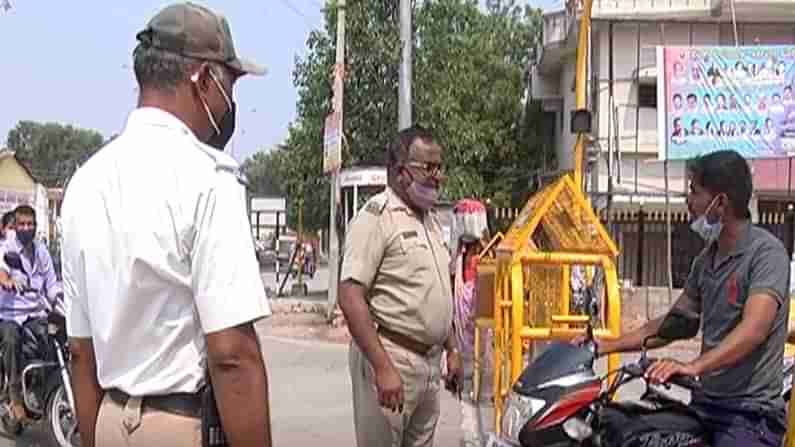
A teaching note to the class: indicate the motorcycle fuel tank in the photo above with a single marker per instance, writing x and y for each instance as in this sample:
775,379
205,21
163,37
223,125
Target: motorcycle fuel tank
558,361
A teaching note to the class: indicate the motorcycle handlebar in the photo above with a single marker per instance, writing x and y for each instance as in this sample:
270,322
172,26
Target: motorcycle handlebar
686,382
639,370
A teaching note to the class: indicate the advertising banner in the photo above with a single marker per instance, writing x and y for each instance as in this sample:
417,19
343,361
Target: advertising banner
332,142
714,98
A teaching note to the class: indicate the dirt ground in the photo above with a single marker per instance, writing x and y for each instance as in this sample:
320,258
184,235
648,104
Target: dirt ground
307,326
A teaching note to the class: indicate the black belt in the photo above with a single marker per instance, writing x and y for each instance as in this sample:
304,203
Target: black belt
181,404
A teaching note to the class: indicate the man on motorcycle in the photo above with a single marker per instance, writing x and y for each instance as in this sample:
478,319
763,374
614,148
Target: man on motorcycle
739,288
20,310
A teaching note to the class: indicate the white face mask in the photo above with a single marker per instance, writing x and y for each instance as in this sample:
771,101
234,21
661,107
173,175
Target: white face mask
10,235
708,231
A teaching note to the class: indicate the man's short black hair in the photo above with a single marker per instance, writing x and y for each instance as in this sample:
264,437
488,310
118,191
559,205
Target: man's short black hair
25,210
8,219
725,172
398,151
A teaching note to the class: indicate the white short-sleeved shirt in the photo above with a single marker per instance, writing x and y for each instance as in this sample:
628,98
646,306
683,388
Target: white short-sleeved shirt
157,252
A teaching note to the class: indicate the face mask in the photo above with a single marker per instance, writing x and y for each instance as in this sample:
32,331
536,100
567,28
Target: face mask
227,128
424,197
25,237
224,131
10,235
708,231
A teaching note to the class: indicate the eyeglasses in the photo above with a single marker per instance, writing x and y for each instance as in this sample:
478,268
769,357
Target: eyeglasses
429,169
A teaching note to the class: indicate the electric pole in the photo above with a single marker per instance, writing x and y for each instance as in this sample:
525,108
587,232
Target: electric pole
333,240
404,86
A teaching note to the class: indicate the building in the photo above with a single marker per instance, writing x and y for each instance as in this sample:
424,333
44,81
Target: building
622,159
18,186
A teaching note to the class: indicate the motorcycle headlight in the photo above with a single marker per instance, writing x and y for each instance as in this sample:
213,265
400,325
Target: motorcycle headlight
518,410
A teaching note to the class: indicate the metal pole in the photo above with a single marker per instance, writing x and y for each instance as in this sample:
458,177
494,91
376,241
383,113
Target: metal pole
404,86
333,240
579,91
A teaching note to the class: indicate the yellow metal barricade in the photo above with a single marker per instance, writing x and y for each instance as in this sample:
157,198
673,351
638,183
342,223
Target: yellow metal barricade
556,230
484,308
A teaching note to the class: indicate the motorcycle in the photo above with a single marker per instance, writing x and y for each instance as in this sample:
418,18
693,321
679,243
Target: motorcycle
45,373
559,400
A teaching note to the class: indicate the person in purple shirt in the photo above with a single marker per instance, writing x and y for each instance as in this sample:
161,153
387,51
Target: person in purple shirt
25,309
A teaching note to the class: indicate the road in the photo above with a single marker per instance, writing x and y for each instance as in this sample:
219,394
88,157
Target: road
310,397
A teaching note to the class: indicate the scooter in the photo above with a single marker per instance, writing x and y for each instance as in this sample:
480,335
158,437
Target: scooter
46,384
559,400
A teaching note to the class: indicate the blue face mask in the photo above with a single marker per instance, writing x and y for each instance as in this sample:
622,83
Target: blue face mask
708,231
25,237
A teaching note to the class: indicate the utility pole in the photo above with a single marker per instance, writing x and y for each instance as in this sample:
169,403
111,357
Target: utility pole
404,86
333,240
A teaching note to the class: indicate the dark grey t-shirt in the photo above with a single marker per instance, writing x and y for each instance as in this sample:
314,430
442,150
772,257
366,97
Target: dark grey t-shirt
759,263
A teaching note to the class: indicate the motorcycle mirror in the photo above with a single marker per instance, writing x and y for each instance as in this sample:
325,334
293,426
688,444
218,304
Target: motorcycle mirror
13,260
679,324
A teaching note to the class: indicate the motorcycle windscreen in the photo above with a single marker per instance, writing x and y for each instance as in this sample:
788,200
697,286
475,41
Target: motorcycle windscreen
558,360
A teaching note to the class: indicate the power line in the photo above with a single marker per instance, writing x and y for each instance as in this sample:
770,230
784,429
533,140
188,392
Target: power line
299,13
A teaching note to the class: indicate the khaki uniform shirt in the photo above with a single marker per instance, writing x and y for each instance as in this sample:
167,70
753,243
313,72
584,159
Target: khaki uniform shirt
402,260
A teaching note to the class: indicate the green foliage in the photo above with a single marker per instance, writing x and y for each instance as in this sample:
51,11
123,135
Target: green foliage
52,151
264,171
470,76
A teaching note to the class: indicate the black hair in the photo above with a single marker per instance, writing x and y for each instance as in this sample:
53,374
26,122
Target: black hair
398,151
725,172
8,219
25,210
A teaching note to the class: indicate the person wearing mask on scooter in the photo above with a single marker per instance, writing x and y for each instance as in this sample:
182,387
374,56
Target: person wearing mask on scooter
161,279
739,287
18,311
396,296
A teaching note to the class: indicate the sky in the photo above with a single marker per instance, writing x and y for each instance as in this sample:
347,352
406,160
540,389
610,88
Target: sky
71,62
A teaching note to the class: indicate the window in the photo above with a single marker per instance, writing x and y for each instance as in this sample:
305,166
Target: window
647,95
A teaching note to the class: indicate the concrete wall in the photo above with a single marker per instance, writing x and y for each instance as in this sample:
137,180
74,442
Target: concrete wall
13,177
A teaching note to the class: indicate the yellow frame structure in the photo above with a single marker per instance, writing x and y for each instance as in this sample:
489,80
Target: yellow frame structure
573,235
482,323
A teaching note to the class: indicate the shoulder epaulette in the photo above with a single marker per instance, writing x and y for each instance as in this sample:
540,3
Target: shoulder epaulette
376,204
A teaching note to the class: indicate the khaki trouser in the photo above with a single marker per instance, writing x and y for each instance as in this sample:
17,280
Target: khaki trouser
128,426
380,427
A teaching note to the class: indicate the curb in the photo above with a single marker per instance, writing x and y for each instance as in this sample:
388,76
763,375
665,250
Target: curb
297,305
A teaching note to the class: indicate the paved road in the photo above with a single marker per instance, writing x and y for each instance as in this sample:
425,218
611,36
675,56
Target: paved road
310,398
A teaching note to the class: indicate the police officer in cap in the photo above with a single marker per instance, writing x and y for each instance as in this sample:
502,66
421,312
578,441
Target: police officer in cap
161,280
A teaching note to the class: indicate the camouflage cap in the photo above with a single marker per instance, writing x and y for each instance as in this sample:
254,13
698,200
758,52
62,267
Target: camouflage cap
195,31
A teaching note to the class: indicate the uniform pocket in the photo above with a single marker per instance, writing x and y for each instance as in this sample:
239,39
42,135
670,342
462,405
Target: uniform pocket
411,243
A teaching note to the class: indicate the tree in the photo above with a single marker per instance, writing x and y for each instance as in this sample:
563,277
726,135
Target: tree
52,151
264,171
470,75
